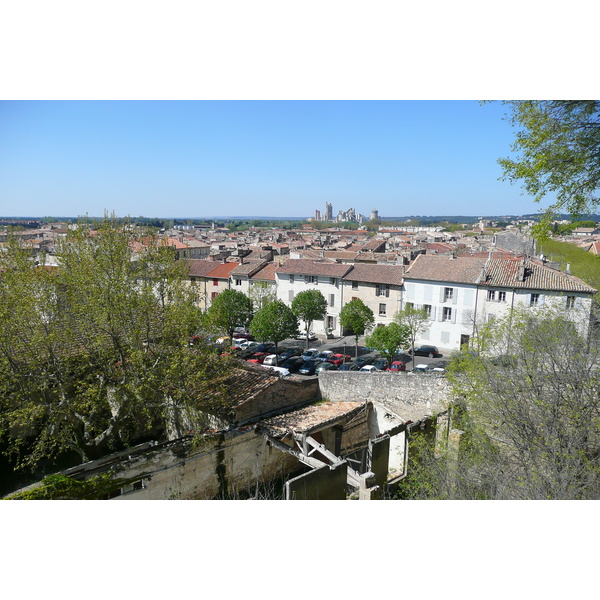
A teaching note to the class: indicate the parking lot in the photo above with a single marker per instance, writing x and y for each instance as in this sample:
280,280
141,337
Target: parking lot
345,345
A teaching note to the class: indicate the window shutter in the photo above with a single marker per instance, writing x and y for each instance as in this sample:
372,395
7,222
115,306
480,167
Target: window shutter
578,302
442,294
541,300
454,295
433,313
441,314
454,311
528,299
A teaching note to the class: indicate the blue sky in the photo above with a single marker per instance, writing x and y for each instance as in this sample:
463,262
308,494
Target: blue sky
254,158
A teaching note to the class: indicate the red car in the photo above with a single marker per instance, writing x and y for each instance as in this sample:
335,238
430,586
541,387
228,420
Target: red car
258,357
339,359
396,366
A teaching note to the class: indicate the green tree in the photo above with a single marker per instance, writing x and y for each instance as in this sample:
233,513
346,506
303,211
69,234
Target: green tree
274,322
230,309
388,338
416,320
261,293
532,404
309,305
558,149
357,317
94,354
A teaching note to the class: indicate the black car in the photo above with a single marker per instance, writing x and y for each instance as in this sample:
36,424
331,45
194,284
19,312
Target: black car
349,366
430,351
289,352
293,364
310,366
361,361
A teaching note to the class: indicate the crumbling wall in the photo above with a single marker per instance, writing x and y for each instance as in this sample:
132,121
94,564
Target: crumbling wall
283,394
410,395
324,483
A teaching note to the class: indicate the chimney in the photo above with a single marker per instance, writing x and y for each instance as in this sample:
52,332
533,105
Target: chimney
568,269
521,271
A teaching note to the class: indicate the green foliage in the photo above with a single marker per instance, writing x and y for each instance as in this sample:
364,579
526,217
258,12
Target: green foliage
387,339
230,309
357,317
274,322
61,487
92,353
414,319
309,305
557,144
532,400
261,293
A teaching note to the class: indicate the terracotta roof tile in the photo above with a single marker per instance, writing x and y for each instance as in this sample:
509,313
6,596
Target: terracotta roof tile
222,270
388,274
299,266
464,269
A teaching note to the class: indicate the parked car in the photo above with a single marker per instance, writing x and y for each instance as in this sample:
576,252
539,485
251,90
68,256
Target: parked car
339,359
349,366
381,364
270,360
241,334
325,366
289,352
368,369
309,367
361,361
325,355
258,357
267,347
310,353
397,366
293,364
421,368
430,351
279,370
302,336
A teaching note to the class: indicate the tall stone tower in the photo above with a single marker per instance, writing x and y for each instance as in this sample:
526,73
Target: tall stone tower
374,215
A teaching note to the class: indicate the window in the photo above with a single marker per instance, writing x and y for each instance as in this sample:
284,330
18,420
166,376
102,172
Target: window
213,295
354,298
193,280
570,302
355,285
427,309
215,282
310,279
333,281
447,314
534,300
238,282
331,299
291,279
410,305
382,312
383,290
491,295
501,296
448,294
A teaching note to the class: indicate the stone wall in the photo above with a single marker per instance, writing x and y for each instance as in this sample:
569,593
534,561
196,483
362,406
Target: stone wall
410,395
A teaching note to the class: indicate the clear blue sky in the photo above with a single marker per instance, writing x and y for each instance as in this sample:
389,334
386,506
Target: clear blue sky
254,158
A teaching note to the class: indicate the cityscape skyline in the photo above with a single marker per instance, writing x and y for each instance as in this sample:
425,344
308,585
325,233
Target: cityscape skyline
283,158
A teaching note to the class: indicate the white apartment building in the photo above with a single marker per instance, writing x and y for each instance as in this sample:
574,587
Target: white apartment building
298,275
460,293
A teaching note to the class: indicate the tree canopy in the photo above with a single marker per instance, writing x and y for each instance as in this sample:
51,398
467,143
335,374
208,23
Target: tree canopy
274,322
93,352
558,152
529,415
415,320
230,309
388,339
358,317
309,305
